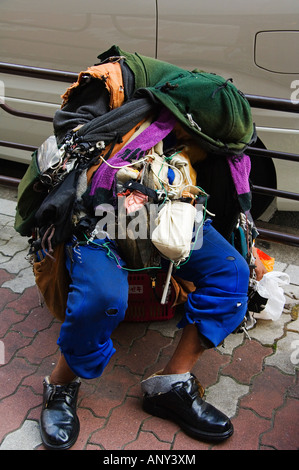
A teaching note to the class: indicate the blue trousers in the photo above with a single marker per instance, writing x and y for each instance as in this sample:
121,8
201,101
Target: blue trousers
98,298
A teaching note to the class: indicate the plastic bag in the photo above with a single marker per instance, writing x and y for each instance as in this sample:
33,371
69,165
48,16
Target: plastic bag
270,288
173,233
48,154
267,260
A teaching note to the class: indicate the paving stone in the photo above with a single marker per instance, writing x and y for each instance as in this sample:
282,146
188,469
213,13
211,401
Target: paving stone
34,381
293,326
127,332
6,220
4,275
294,389
2,353
16,263
293,271
122,428
3,258
15,409
248,428
23,280
152,369
291,292
267,393
23,303
34,413
8,318
168,351
13,341
12,374
15,245
110,392
8,193
6,296
92,447
144,352
230,343
184,442
7,207
25,438
120,351
7,232
164,430
282,253
285,433
279,266
268,331
208,366
88,422
225,395
247,361
34,322
167,328
43,345
286,355
147,441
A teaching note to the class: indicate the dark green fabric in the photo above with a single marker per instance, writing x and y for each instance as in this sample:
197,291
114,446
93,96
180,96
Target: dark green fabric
147,71
212,108
28,199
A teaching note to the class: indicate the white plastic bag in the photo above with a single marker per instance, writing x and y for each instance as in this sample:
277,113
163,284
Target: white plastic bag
270,288
174,230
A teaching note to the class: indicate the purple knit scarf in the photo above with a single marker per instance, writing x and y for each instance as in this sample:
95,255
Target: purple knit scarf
240,170
104,176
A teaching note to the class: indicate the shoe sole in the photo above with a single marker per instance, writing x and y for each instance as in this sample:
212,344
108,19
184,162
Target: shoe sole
192,432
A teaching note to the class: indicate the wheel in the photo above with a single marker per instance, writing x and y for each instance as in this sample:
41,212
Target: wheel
262,173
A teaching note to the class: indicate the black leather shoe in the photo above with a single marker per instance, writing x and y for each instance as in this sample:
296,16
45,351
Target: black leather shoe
59,423
184,405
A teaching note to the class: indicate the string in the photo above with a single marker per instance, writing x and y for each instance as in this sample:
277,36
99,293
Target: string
112,255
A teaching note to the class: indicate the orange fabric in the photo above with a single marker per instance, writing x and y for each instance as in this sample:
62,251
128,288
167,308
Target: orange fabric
181,288
116,149
52,280
110,74
192,172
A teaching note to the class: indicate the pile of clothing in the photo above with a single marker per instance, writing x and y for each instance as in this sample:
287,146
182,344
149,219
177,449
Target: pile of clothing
135,133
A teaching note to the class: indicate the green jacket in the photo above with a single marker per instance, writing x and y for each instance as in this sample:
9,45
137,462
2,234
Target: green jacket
210,107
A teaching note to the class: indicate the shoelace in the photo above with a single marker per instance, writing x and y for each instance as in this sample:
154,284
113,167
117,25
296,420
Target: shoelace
60,392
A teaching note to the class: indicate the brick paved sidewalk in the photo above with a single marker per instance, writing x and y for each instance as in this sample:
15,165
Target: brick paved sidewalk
253,381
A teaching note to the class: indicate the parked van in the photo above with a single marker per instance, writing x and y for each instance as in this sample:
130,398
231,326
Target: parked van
43,45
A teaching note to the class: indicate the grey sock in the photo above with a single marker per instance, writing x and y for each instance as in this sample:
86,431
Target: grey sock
162,383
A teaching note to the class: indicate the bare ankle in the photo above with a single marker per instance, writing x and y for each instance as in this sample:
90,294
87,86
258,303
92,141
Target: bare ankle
62,374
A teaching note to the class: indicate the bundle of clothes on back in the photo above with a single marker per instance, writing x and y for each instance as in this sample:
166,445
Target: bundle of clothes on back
135,133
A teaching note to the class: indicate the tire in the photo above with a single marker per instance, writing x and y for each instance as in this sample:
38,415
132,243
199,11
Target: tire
262,173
